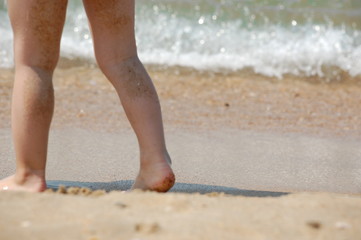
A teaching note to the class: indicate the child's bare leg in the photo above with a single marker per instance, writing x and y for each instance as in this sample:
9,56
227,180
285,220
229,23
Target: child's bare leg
37,26
112,24
141,104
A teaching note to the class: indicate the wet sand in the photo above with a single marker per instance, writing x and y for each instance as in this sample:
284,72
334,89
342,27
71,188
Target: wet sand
206,101
238,133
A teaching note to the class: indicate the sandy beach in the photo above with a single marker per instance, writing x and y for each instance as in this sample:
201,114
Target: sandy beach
255,158
179,216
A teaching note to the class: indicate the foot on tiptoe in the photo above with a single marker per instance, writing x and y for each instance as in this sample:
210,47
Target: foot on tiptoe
157,177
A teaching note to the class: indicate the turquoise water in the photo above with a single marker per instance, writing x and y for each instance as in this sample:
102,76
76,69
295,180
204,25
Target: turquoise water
271,37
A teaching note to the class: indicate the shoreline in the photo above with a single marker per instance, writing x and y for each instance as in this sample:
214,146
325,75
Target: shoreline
207,118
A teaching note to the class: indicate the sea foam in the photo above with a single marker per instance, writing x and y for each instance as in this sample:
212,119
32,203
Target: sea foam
218,36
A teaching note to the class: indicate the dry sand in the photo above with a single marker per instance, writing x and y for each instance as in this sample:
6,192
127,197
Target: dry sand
241,134
179,216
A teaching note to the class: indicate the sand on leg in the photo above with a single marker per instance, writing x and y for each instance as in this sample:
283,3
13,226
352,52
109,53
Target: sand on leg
112,25
37,27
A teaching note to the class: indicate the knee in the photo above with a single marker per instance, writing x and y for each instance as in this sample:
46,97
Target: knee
35,70
110,55
45,60
41,66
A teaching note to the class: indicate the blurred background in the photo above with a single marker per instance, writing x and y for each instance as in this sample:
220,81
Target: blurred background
268,37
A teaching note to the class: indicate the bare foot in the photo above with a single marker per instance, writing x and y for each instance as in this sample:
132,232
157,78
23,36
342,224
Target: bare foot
29,184
157,177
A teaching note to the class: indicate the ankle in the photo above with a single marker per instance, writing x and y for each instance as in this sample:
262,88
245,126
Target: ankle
149,159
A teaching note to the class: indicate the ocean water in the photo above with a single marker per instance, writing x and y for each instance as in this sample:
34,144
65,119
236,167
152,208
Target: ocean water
270,37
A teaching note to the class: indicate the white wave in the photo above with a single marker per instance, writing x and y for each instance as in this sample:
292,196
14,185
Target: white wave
206,44
6,39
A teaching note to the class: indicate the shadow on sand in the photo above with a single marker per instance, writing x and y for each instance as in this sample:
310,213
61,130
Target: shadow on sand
124,185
